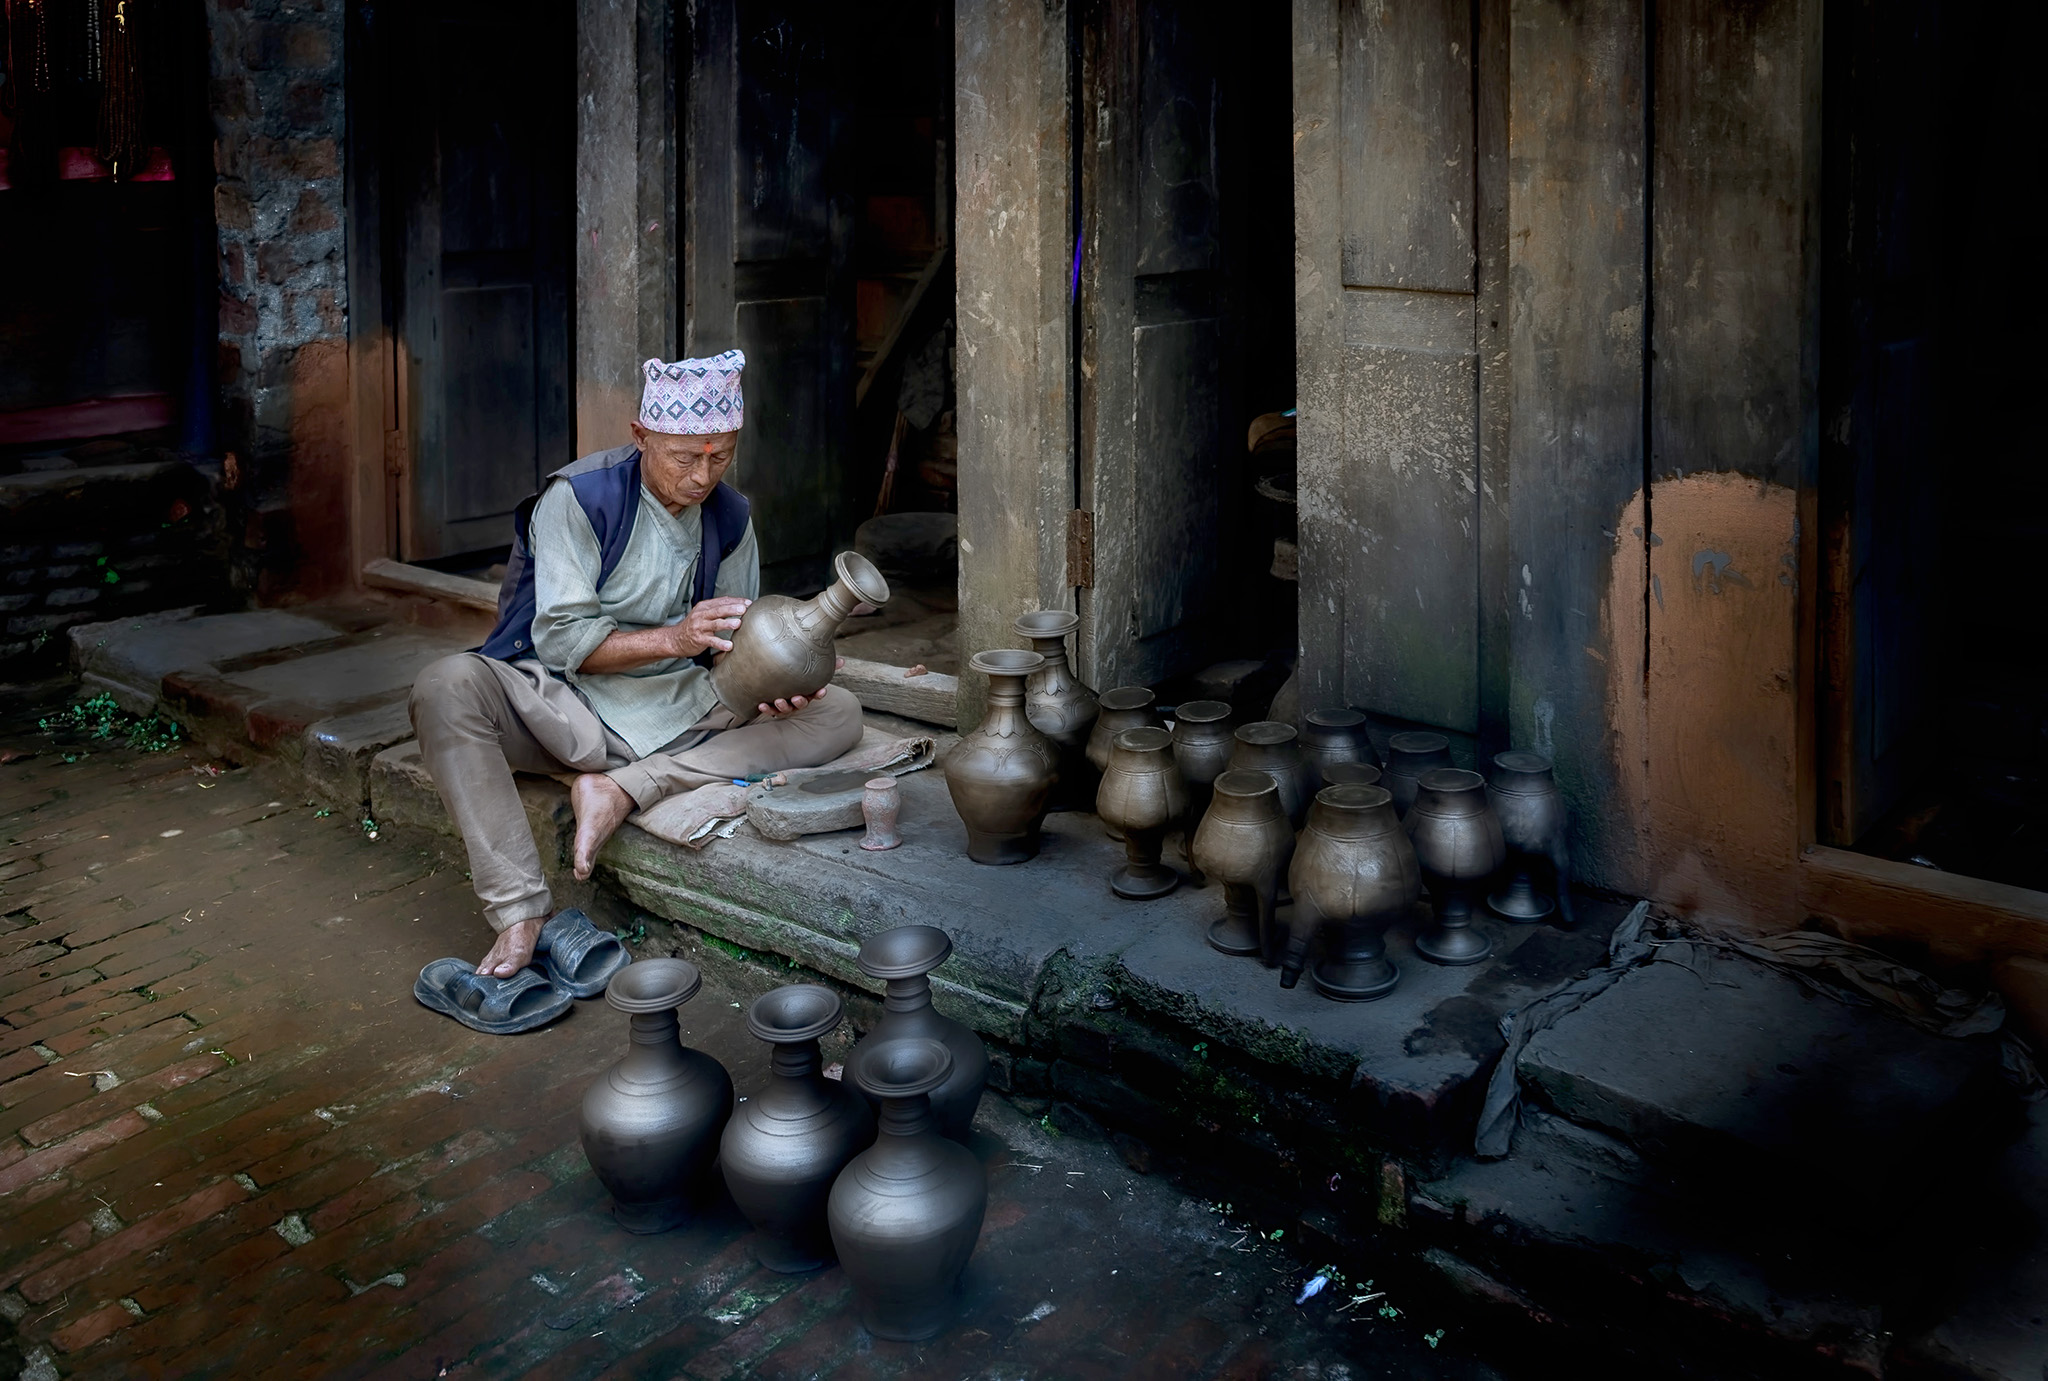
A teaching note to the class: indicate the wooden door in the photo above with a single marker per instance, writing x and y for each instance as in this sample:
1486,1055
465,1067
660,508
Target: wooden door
767,233
480,117
1160,431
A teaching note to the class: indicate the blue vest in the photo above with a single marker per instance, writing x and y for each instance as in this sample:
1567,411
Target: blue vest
607,486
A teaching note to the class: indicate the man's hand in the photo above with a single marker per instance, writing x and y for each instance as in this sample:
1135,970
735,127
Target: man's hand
704,627
795,702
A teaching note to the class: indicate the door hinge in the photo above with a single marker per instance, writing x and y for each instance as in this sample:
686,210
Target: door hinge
1081,549
395,458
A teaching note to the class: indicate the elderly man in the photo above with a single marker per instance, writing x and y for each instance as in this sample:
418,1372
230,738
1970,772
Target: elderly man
634,567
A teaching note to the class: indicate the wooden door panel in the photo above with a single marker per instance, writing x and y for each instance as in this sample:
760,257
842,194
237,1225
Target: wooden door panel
1175,367
489,410
785,420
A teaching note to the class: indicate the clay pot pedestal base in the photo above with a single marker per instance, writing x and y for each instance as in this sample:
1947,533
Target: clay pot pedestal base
1520,901
1237,933
1361,970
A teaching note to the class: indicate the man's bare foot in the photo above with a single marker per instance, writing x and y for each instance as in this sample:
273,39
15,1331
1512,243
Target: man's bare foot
601,806
514,950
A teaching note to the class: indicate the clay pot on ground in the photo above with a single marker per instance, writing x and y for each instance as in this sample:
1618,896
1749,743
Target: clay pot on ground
1055,701
1202,744
905,1213
1270,747
1142,796
1533,825
1409,755
651,1122
1333,736
1126,707
1245,843
1355,872
1457,838
786,1144
881,805
902,958
1001,775
784,646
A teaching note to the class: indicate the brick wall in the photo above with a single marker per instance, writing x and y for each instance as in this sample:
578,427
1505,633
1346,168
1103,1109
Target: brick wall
278,117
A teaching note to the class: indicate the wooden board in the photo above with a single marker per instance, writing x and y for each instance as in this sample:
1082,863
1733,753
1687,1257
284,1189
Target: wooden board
930,698
383,574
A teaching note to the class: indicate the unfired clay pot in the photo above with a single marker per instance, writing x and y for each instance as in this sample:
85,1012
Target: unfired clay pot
1126,707
1410,755
1457,838
785,1145
1333,736
881,804
1351,774
1532,824
651,1122
1001,775
906,1212
1143,796
902,958
784,647
1202,744
1269,747
1245,843
1354,873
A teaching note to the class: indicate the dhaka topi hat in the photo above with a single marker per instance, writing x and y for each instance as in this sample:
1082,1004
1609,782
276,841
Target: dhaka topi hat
693,397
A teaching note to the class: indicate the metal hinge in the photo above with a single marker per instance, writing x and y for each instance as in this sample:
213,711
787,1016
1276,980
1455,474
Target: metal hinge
395,458
1081,549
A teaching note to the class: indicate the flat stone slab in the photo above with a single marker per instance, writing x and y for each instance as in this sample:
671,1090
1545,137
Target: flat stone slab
337,752
129,658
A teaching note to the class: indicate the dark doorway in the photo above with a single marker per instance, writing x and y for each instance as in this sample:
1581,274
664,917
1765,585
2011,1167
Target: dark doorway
1934,500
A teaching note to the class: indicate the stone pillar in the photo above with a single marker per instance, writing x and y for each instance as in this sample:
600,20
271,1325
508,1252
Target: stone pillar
278,122
1013,233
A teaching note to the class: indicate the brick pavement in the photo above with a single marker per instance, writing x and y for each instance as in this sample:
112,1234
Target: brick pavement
232,1144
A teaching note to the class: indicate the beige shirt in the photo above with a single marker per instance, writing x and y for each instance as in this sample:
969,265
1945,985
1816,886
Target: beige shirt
649,706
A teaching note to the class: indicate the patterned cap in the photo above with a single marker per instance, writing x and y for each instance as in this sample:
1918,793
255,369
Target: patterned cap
694,397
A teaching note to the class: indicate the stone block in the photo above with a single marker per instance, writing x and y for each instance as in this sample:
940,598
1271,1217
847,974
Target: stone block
338,751
129,658
791,812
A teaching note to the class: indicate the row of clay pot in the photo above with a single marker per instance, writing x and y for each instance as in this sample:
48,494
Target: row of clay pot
806,1158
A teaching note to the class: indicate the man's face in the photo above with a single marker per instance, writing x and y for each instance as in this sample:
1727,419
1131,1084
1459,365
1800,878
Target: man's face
682,471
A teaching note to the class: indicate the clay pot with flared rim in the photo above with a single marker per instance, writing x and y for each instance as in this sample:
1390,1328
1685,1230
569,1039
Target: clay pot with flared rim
783,1147
1351,774
1143,796
784,647
1457,838
902,958
1245,843
1355,872
1001,775
1333,736
651,1122
1125,707
1270,747
1409,755
1533,824
1058,704
905,1213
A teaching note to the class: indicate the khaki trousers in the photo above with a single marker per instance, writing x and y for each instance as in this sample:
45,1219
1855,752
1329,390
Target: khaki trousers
479,720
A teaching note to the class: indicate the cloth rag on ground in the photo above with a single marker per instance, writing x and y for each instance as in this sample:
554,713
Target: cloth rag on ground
695,818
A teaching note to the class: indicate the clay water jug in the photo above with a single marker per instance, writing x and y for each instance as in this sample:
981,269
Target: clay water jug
1457,838
1333,736
1533,821
1055,701
1245,843
651,1122
905,1213
1269,747
1126,707
1001,775
902,958
1354,873
1409,755
784,647
784,1146
1142,795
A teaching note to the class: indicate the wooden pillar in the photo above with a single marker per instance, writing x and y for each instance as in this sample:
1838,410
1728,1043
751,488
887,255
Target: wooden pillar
1014,236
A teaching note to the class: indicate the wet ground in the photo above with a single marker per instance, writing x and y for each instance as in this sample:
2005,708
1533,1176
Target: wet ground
232,1144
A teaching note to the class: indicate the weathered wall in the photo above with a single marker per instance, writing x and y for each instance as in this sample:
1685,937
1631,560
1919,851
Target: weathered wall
278,119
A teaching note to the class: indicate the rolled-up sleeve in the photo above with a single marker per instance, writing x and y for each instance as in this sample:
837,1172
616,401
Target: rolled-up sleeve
740,573
568,623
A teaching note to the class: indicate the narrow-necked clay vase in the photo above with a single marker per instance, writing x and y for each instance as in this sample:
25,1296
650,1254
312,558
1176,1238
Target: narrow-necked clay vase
1143,796
785,1145
1354,873
1055,701
1001,775
1333,736
1410,755
784,647
1269,747
1351,774
651,1122
902,958
1126,707
1245,843
1457,838
1533,825
905,1213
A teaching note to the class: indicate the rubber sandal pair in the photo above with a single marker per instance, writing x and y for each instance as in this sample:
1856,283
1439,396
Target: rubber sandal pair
572,959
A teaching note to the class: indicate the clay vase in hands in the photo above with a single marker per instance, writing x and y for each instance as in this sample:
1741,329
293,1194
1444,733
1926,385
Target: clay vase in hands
1143,796
1126,707
651,1122
1532,823
902,958
905,1213
784,647
1457,838
1055,701
1001,775
1245,843
1333,736
1355,872
785,1146
1408,757
1269,747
